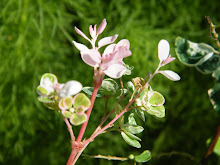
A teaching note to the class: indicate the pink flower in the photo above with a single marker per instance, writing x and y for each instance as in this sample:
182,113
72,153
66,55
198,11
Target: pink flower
110,62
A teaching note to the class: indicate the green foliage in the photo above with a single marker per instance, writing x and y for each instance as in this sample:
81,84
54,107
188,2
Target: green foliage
36,39
206,59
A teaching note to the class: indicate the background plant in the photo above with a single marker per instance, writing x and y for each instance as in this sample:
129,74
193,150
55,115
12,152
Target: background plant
37,32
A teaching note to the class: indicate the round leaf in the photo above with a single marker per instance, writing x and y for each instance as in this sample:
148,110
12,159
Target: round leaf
78,119
81,100
156,99
109,87
158,111
143,157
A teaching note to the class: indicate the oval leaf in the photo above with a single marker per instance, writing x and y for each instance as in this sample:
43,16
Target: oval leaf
89,90
143,157
78,119
81,100
170,75
109,87
156,99
157,111
132,142
134,129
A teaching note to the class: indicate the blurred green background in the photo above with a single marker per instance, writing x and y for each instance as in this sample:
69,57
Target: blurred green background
35,38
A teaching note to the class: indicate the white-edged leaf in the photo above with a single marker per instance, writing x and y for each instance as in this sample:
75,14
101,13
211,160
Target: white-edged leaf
170,75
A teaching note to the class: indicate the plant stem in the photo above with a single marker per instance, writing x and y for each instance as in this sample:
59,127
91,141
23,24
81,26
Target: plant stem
97,84
69,126
110,124
213,143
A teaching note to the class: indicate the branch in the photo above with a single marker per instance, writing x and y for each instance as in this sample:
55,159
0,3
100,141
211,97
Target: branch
212,31
69,126
109,157
88,113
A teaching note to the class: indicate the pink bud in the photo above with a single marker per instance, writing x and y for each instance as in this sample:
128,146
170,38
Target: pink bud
101,27
92,31
168,60
81,33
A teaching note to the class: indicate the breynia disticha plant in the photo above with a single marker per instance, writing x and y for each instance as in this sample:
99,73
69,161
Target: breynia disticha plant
75,102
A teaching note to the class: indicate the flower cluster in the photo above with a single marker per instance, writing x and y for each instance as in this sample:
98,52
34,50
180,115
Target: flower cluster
110,62
59,96
74,108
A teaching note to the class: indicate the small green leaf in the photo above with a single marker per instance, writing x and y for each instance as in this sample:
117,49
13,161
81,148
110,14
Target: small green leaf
78,119
132,136
81,100
156,99
130,87
158,111
45,99
140,113
89,90
67,102
51,106
67,114
42,91
132,142
52,78
143,157
134,129
217,147
79,110
131,119
214,95
109,87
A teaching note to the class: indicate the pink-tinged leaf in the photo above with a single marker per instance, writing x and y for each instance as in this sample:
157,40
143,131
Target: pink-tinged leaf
163,50
80,46
101,27
107,40
115,71
91,57
81,33
168,60
170,75
124,43
92,31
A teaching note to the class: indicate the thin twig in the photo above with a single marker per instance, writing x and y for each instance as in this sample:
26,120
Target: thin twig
109,157
69,126
213,31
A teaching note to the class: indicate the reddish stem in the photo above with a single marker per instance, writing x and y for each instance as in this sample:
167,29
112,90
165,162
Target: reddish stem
97,84
72,156
214,141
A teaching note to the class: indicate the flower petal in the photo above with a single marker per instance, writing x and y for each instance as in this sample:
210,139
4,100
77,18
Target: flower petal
101,27
122,53
170,75
115,71
124,43
163,50
91,57
108,50
70,88
80,46
81,33
107,40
